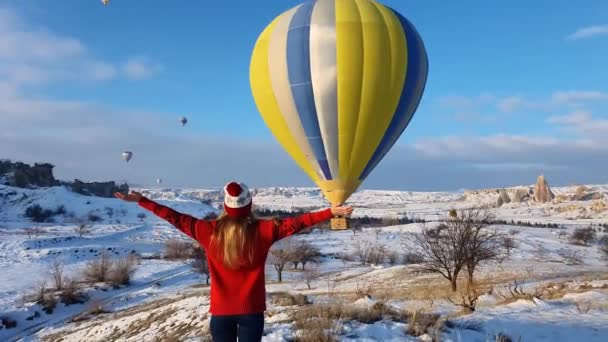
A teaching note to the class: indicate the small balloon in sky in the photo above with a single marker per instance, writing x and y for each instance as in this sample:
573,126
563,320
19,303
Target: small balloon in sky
159,181
183,120
105,2
127,155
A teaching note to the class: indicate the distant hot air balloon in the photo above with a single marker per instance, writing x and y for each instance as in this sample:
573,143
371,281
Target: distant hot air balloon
183,120
337,82
158,181
127,155
105,2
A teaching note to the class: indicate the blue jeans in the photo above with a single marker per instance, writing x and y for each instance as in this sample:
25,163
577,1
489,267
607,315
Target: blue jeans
248,328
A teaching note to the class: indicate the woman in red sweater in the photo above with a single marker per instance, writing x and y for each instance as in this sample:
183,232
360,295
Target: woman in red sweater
237,245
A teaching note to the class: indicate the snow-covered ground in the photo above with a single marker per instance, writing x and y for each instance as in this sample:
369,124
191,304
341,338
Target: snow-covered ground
166,299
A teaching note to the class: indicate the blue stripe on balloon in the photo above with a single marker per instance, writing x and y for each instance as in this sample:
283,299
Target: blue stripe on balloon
298,70
417,71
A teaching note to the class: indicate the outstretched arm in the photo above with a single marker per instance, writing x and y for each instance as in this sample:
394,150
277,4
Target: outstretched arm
292,225
189,225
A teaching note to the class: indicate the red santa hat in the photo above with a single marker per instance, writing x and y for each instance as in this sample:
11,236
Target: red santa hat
237,200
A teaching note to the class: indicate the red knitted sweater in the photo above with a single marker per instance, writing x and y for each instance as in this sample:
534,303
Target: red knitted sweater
236,292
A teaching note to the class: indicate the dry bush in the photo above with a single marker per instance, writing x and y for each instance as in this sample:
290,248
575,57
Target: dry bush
500,337
412,258
583,236
583,306
96,308
70,293
98,270
121,271
288,299
82,230
56,273
7,322
603,245
508,243
421,323
35,231
571,257
392,257
516,292
178,250
467,296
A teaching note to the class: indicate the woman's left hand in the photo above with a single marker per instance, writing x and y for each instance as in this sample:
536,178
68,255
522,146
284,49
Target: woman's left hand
342,210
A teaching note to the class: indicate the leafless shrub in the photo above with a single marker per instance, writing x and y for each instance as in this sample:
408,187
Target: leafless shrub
121,271
56,273
310,274
178,250
393,257
501,337
412,258
33,231
583,307
362,250
571,257
603,245
98,270
288,299
468,297
516,292
376,255
562,235
513,232
70,293
82,230
7,322
96,308
583,236
508,243
420,323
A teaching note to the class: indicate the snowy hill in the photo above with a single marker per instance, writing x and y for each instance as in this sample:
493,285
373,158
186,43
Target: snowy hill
167,299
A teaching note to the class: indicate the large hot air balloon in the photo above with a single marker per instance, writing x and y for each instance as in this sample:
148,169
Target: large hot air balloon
337,82
127,155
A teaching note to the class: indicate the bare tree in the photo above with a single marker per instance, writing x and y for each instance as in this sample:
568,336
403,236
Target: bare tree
481,245
82,230
305,253
460,242
508,243
310,274
57,274
583,236
279,257
35,231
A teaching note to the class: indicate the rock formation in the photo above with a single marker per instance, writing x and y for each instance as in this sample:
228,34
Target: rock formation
503,198
521,195
583,193
100,189
542,191
23,175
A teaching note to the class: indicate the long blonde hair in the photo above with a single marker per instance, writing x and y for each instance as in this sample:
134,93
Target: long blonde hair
234,240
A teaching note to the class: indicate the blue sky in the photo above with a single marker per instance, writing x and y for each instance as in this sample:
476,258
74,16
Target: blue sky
513,87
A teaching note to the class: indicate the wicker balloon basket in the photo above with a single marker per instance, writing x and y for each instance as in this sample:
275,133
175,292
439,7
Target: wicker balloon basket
339,223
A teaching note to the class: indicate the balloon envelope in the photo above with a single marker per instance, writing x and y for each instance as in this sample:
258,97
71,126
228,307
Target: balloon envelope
127,155
183,120
105,2
337,82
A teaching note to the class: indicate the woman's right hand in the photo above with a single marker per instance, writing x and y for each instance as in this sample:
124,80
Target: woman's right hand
133,196
342,210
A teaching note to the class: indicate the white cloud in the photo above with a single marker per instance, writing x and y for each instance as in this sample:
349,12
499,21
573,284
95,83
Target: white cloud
140,68
588,32
575,96
583,124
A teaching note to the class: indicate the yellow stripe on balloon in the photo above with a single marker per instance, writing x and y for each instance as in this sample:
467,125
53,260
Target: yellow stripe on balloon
261,87
375,111
349,59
